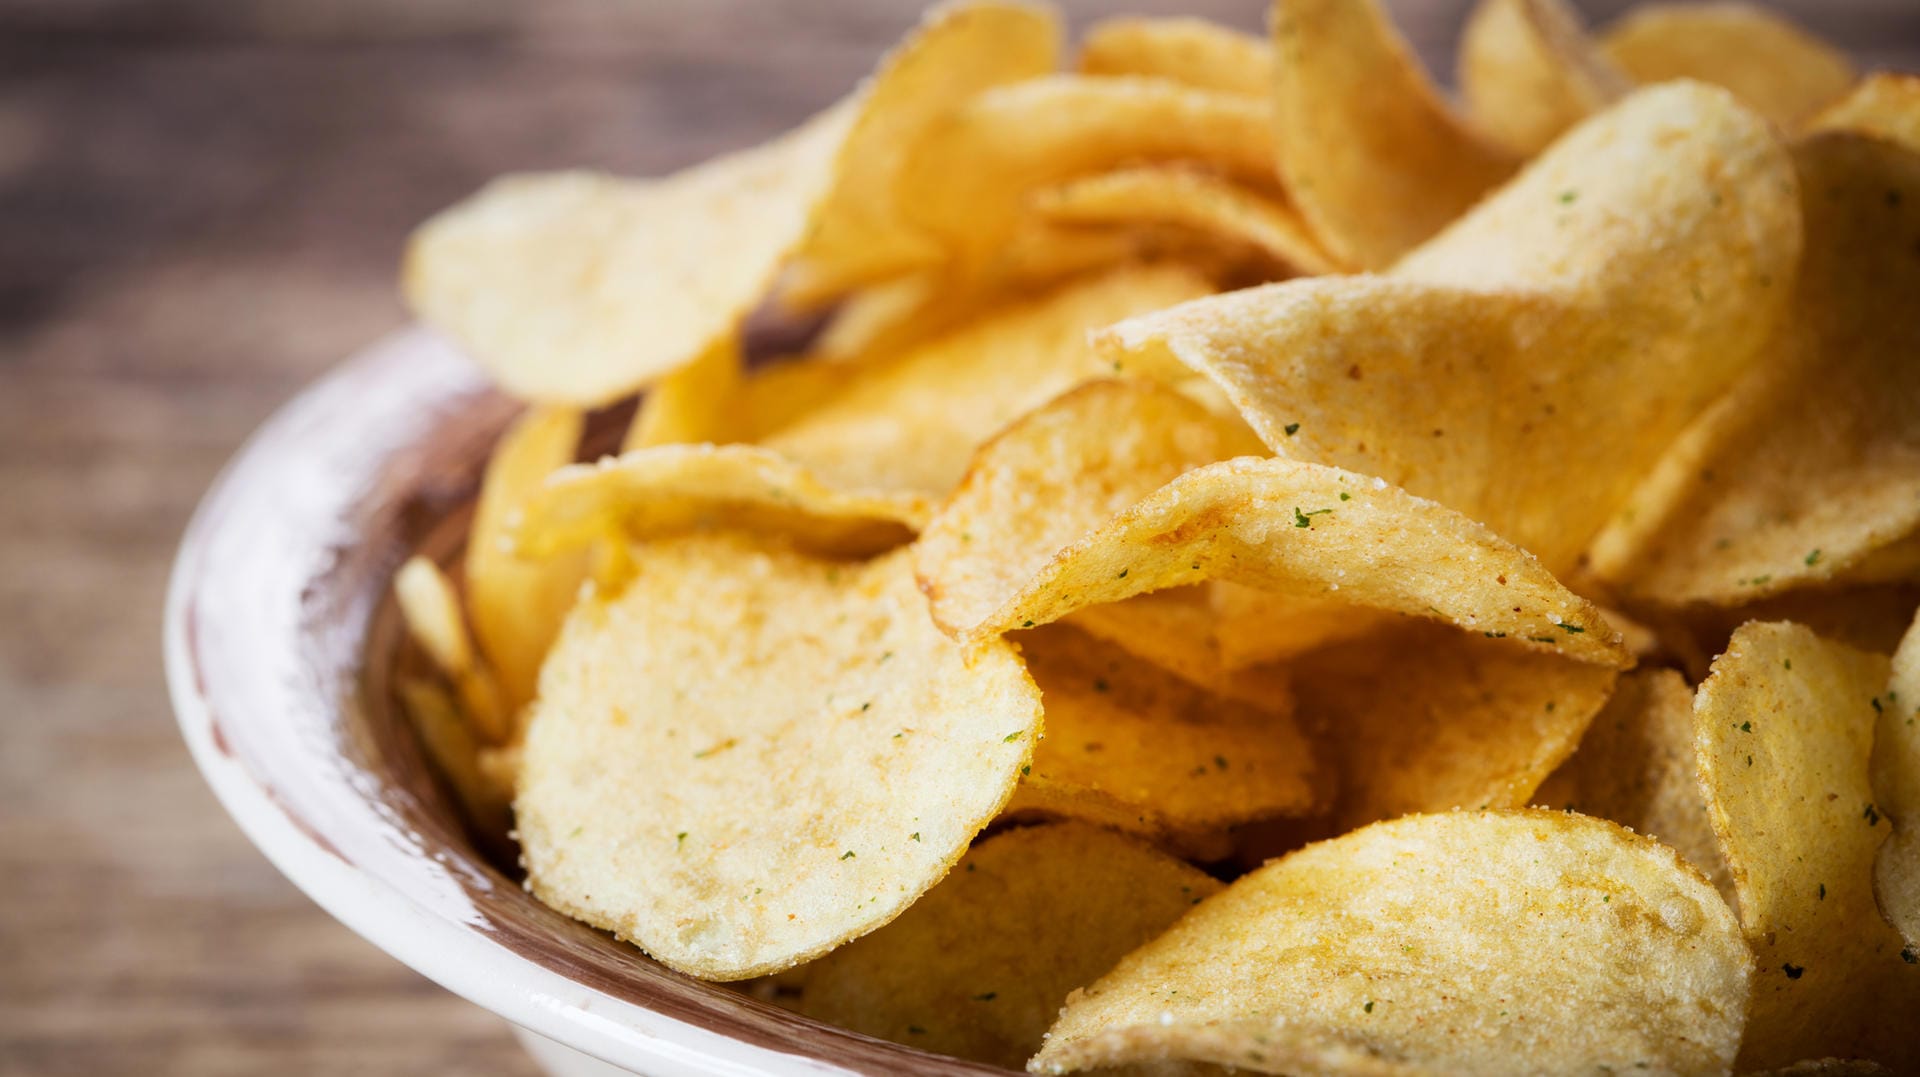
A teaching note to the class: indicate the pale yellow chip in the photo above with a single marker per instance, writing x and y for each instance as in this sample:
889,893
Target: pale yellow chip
1367,148
1643,260
1636,766
1426,718
1252,626
969,179
751,756
454,752
1784,728
1174,630
578,288
1811,465
1468,943
1133,747
1529,70
1774,66
673,489
693,404
912,422
980,966
960,50
1192,52
431,609
517,605
1885,104
1187,198
1896,788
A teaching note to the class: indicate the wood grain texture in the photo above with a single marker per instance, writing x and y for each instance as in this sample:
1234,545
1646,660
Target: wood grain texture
201,204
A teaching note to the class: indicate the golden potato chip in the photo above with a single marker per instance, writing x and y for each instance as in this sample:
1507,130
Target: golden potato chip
774,395
979,967
692,404
1133,747
577,288
1642,260
968,180
751,756
1192,199
451,748
1776,68
1192,52
431,609
1529,71
912,422
1811,464
1784,727
1636,766
1173,629
1252,626
1885,104
1425,718
1465,943
1367,149
959,50
1896,788
517,605
672,489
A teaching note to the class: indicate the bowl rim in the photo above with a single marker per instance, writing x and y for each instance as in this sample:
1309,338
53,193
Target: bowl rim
458,956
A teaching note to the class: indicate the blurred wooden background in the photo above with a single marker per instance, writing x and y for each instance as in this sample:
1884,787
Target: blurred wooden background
201,204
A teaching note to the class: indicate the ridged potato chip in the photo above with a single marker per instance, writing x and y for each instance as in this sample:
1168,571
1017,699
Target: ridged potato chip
1642,260
1636,766
1773,66
980,966
1896,788
692,404
1885,104
1366,147
1529,71
1810,466
1192,52
1217,208
911,422
1466,943
1784,728
750,755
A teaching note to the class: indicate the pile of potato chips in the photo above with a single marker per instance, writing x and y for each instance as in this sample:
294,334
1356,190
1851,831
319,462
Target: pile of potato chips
1262,566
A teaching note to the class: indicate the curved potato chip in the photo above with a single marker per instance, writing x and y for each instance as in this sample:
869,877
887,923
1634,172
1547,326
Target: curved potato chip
1192,52
1252,626
1367,149
1896,788
517,606
751,756
1529,71
692,404
1642,260
1885,104
1811,464
1775,67
431,609
979,967
450,746
1466,943
1182,197
1174,630
1636,766
1784,727
969,178
959,50
1132,747
1425,718
911,422
671,489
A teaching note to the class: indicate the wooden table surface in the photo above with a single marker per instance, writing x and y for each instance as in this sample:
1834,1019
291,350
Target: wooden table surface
201,204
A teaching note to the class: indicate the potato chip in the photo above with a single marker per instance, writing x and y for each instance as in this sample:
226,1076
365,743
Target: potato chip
1192,52
751,756
1367,148
692,404
450,746
1784,727
1174,630
980,966
1773,66
1425,718
431,609
1186,198
1466,943
517,605
1132,747
1529,71
959,50
1252,626
968,180
1636,766
1885,104
673,489
1642,260
1811,464
1896,789
912,422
